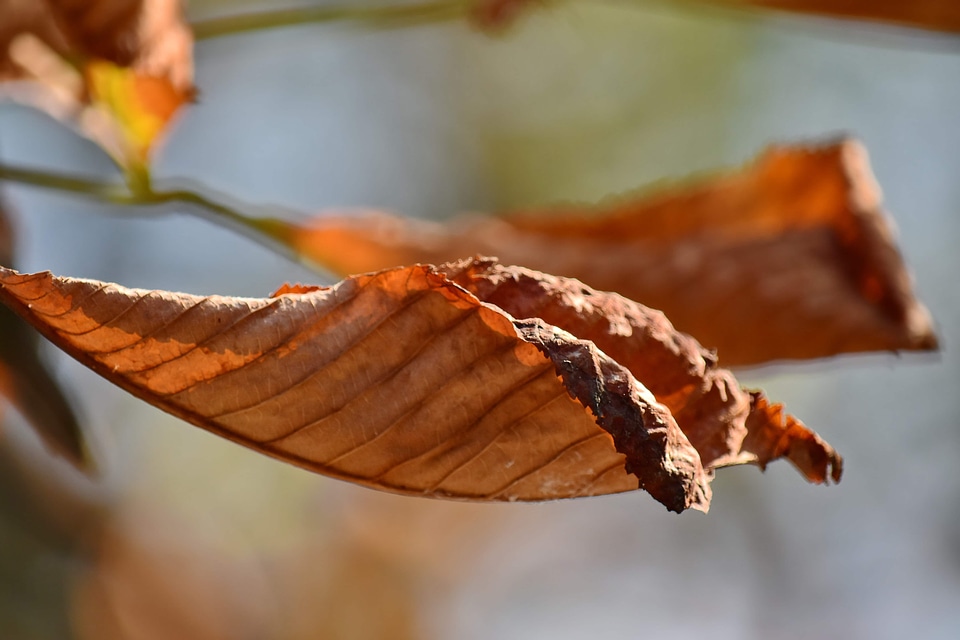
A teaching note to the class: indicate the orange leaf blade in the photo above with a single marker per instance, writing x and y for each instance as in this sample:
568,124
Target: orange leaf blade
398,380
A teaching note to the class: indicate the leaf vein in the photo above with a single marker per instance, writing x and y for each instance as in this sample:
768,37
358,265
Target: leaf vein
390,374
560,454
321,367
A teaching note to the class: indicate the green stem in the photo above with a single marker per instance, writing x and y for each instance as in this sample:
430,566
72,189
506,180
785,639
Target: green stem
378,15
32,177
273,233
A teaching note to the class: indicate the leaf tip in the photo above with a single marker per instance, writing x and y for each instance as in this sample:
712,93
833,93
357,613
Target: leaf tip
772,434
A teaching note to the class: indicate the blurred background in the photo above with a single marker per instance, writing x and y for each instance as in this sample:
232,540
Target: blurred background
189,536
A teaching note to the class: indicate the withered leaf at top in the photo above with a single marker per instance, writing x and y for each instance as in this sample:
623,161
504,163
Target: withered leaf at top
149,36
25,17
116,70
936,15
399,380
790,258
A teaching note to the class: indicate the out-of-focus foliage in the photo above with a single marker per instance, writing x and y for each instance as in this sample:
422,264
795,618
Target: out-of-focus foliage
118,70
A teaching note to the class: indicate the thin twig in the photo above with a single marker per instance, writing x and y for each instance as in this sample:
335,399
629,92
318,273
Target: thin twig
269,231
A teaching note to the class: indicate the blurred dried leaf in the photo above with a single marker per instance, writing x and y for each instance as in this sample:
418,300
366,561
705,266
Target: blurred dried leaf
45,515
26,383
25,380
6,237
140,107
148,36
118,70
938,15
789,258
336,602
25,17
153,575
153,578
402,380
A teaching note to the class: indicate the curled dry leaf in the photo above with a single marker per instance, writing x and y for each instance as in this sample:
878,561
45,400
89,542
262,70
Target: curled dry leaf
403,380
789,258
937,15
726,424
25,381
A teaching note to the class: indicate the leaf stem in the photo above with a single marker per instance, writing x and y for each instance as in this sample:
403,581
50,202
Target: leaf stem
384,15
272,232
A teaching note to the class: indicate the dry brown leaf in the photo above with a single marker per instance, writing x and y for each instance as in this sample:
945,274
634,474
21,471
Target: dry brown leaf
398,380
25,381
404,381
938,15
789,258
